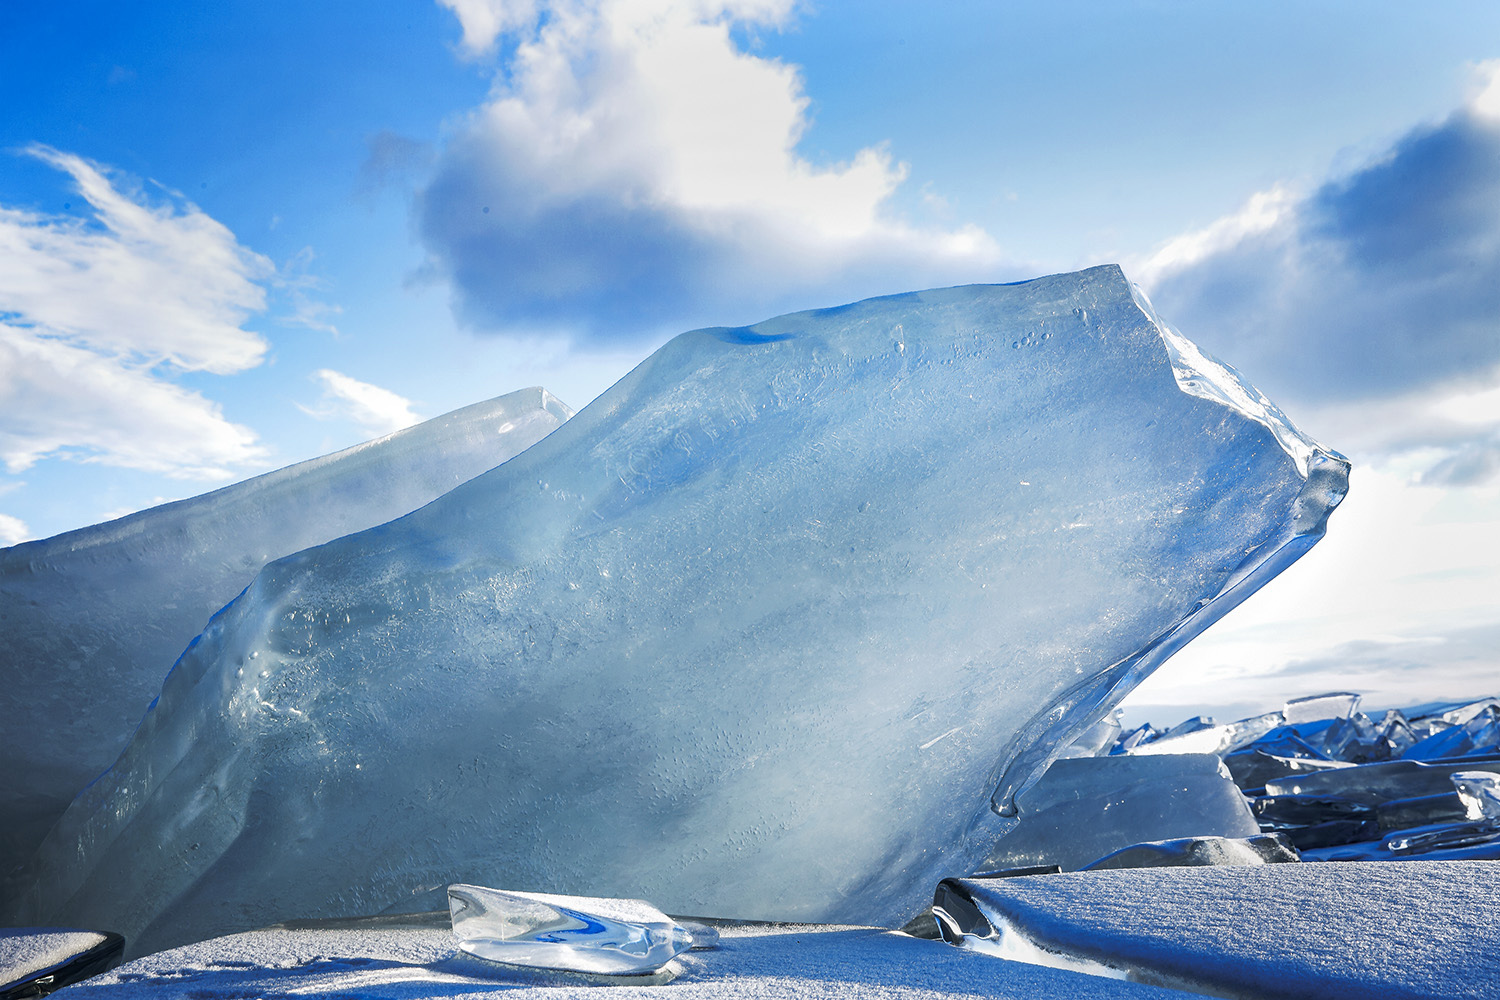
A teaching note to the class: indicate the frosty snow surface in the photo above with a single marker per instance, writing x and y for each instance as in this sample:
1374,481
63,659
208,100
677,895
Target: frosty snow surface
93,619
772,629
752,962
1357,931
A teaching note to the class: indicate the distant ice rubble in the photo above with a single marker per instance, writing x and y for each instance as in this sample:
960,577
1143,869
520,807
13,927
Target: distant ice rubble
784,625
1419,782
93,619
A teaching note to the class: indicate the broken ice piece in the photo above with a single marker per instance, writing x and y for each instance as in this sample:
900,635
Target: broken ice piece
1084,808
1264,849
1314,708
1480,793
613,937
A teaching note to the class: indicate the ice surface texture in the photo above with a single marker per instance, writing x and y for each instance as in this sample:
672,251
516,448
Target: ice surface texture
762,632
1373,931
93,619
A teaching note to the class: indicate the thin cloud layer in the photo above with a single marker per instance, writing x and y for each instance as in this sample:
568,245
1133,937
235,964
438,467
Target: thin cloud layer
59,399
633,168
377,411
98,313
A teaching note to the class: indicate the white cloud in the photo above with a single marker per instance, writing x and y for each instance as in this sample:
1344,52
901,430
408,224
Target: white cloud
13,530
98,313
1263,212
634,167
484,20
59,399
377,411
1380,284
163,284
1484,102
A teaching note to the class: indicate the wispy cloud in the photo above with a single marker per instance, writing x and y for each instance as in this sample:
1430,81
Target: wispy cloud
377,411
163,283
633,168
98,314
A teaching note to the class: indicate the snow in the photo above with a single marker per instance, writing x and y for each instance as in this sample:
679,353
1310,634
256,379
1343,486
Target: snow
752,962
1376,930
26,953
93,619
770,630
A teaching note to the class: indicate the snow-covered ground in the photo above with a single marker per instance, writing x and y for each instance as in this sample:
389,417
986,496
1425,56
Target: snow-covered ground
762,962
1376,930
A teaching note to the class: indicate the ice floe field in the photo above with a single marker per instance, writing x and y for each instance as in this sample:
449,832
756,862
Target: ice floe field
810,634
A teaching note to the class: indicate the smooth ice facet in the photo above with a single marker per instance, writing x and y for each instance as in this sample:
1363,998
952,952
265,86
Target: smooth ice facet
1480,793
773,628
613,937
1376,783
1085,808
1313,708
93,619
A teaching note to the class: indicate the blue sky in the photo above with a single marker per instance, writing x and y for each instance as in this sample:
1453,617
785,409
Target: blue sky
235,236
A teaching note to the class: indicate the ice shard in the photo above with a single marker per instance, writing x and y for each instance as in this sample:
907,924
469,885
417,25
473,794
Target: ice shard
93,619
774,628
611,937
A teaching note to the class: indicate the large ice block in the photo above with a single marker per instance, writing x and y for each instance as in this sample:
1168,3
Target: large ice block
773,628
93,619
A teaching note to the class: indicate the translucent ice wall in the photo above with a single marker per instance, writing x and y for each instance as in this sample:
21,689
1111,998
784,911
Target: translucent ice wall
772,629
93,619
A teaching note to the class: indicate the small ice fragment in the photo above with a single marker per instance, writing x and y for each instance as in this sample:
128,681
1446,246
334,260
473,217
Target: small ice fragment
1263,849
1220,739
613,937
1480,793
1334,705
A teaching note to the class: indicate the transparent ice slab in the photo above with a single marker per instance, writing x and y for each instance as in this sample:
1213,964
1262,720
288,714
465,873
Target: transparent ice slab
776,627
615,937
1313,708
1085,808
1383,782
93,619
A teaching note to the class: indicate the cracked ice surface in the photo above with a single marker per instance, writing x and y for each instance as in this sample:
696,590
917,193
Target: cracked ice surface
94,618
771,629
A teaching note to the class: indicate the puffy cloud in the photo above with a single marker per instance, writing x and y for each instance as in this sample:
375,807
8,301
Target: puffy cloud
97,314
13,530
377,411
1382,282
633,168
